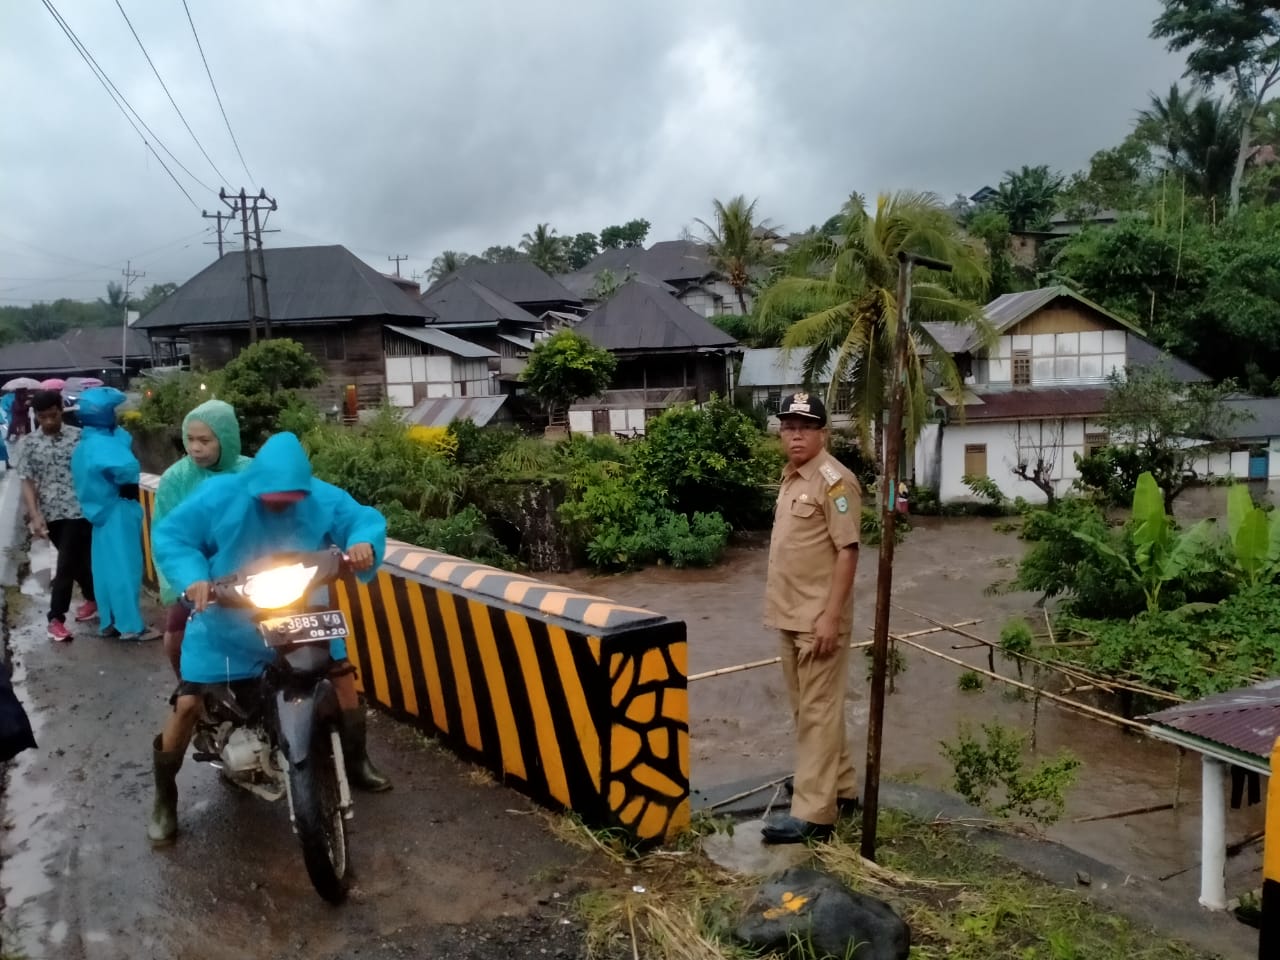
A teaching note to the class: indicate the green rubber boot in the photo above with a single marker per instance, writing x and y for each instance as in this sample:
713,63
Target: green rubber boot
361,772
163,826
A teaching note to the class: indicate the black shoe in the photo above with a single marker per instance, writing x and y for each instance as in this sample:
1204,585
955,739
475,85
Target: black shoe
789,829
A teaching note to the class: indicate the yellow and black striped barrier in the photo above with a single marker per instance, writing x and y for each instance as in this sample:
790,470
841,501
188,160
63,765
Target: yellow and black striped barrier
577,701
1269,927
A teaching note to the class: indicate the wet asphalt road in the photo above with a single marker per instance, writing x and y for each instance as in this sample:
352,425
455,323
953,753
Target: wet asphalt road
445,865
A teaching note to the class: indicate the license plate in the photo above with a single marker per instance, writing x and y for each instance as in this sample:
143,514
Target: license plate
318,627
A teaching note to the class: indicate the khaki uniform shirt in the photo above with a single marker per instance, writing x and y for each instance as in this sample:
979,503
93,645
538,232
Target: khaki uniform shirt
819,513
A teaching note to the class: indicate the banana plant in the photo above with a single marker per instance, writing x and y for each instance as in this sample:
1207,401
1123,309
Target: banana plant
1254,538
1161,554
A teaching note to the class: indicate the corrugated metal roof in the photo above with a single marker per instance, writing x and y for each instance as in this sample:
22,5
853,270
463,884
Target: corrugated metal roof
1247,719
1038,403
443,341
675,261
1011,308
442,411
951,337
305,283
641,317
1141,353
775,367
1259,420
516,341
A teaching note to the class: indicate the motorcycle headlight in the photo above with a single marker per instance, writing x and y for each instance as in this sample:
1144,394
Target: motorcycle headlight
278,587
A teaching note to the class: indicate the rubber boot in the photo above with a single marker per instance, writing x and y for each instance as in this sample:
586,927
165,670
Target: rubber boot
163,826
361,772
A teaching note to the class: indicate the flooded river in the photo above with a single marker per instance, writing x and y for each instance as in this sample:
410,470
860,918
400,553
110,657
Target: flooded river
741,726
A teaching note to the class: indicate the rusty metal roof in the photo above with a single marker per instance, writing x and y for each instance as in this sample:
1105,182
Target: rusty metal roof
1246,720
1034,403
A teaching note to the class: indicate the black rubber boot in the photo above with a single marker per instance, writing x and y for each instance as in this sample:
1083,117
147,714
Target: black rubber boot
361,772
163,826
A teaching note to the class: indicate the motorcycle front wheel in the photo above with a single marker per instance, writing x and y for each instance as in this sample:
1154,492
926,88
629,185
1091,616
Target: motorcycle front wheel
317,813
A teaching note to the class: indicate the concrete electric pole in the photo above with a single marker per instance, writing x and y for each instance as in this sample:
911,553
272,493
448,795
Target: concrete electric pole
129,275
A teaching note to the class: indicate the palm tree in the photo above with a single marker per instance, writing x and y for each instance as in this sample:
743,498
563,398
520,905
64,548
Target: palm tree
849,317
545,249
1027,196
1199,137
734,245
446,263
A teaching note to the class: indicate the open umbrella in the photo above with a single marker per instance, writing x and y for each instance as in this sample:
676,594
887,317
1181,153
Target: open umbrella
21,383
53,383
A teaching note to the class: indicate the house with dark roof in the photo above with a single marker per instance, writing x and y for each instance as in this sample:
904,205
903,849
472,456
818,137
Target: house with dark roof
520,282
325,297
667,354
81,352
685,265
1036,395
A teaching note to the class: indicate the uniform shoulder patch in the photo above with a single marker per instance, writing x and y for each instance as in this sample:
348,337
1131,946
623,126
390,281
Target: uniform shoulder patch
830,474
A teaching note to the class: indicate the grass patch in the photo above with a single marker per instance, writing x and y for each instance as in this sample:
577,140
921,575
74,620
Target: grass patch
962,900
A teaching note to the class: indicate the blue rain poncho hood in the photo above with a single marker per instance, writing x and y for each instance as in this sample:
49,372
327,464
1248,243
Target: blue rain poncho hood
280,466
98,407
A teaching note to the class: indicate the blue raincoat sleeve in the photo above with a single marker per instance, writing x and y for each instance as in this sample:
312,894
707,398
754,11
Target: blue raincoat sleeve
353,523
180,543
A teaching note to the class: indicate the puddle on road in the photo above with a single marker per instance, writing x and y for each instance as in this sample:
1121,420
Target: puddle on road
741,727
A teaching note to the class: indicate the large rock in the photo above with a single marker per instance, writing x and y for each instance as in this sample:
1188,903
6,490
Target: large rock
807,913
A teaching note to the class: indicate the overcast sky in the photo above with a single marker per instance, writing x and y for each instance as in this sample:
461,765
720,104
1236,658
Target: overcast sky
403,127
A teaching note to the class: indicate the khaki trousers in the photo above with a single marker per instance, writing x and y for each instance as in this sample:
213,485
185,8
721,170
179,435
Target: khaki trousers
824,769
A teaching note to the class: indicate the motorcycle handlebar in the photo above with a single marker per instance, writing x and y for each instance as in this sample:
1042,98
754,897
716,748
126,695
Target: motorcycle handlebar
344,560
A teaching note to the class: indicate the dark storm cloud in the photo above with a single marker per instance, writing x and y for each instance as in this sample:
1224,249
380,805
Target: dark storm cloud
401,127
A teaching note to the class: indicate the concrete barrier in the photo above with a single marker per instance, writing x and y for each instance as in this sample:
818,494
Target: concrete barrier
577,701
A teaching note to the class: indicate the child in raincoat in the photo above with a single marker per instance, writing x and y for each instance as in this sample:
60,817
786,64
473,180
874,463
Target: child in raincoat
106,473
211,437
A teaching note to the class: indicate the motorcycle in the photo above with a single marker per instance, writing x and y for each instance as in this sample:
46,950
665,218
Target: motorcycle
278,735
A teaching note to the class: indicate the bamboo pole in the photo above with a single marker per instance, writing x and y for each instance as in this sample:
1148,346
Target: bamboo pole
1094,712
1109,684
747,793
1049,626
1154,808
738,668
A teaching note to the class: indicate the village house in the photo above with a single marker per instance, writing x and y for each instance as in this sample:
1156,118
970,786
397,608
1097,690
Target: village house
347,315
1037,396
684,265
768,374
81,352
666,352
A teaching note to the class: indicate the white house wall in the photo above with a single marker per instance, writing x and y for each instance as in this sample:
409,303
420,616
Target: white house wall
441,375
1003,442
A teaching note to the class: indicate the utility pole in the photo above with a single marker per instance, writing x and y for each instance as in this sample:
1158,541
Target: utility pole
262,263
240,204
888,521
129,275
220,217
397,260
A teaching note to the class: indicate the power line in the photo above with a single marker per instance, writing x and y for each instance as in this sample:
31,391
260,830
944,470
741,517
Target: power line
118,98
165,88
215,90
187,240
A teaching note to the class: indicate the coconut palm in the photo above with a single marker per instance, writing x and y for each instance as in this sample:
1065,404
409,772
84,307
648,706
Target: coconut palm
848,318
545,249
1027,197
734,245
446,263
1199,137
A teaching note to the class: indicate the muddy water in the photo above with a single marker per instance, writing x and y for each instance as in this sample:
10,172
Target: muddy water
740,723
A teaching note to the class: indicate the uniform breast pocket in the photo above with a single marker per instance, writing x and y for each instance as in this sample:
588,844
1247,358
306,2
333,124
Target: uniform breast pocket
803,509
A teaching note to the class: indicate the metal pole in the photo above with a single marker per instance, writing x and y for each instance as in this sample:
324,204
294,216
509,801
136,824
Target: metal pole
884,577
262,269
1213,834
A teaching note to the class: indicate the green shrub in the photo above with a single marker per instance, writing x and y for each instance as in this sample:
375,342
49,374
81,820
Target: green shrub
481,445
702,461
1016,636
261,383
970,681
996,766
167,401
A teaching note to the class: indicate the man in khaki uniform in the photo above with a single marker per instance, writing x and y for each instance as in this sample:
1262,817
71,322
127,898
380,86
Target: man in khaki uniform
813,556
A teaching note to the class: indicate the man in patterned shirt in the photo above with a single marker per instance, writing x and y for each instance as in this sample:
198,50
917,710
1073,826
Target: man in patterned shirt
47,488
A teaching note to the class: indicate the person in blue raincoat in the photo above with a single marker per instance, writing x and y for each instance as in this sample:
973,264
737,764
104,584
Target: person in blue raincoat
228,522
105,473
